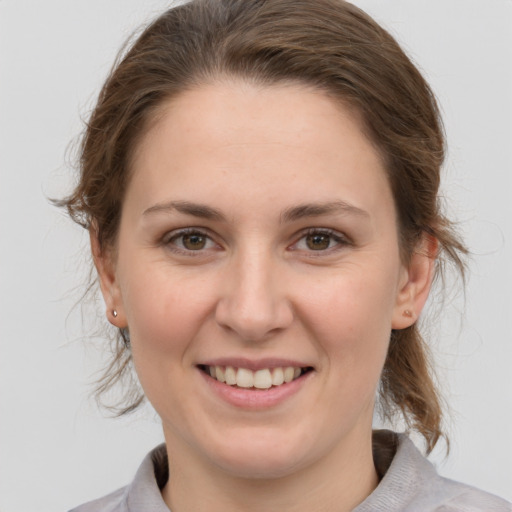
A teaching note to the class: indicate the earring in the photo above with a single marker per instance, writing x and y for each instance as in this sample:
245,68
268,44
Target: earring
408,313
114,313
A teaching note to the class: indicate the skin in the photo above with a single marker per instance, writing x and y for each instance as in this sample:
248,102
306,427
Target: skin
256,289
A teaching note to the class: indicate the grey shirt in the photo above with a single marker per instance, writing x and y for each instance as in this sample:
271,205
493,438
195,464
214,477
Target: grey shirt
409,483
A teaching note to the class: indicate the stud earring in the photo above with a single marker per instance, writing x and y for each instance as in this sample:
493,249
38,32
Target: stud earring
408,313
114,313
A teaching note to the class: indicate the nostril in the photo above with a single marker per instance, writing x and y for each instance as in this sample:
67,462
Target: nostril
255,323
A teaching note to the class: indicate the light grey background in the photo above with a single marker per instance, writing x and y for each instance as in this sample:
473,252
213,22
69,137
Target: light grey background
56,449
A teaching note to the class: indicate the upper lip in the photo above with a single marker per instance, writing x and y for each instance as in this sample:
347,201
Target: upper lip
254,364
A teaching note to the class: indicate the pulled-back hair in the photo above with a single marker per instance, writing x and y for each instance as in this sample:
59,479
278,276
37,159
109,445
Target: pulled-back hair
328,44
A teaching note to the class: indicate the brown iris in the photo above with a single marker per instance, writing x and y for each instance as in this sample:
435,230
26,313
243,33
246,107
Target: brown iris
318,241
194,241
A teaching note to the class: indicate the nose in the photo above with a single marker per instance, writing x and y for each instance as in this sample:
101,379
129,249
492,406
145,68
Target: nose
253,301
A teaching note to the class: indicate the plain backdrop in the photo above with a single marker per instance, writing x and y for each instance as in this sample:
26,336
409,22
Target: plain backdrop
56,448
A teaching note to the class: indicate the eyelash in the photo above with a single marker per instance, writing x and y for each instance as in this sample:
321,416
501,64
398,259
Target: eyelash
340,240
169,240
335,237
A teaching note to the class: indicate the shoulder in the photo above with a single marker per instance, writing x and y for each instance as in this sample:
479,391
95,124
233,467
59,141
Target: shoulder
110,503
142,494
465,498
410,483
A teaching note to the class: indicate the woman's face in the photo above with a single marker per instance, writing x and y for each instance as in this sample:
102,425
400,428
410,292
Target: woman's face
258,234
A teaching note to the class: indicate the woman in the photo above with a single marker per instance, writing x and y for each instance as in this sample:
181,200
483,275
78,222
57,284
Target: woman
259,180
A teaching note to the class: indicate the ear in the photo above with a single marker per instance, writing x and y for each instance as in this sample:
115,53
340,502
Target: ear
105,266
415,283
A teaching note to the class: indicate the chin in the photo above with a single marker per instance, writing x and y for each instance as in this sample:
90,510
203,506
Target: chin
261,468
261,459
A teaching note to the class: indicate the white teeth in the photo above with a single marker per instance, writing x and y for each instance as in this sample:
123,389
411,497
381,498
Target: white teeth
288,373
219,373
277,377
230,375
260,379
244,378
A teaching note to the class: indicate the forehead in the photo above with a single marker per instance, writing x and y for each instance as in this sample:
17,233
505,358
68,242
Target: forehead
269,138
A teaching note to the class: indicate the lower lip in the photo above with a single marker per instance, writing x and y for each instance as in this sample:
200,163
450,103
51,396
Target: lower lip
253,399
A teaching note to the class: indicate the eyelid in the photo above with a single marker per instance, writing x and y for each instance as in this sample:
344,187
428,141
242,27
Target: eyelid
173,233
169,236
340,238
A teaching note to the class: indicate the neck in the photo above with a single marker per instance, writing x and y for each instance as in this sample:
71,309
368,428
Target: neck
338,482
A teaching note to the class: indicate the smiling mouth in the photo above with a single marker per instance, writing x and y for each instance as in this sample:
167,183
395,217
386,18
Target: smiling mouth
265,378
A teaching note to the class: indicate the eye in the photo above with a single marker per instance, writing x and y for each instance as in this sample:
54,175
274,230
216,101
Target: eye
320,240
189,240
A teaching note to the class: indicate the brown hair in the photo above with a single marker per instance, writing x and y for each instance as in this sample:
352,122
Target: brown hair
327,44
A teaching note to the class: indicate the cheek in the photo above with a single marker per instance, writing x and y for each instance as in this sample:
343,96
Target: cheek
164,316
353,301
164,312
350,317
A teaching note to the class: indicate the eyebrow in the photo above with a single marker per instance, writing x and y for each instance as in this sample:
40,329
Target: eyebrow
188,208
289,215
319,209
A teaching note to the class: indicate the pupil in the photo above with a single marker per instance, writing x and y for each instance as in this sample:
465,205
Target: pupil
194,242
317,242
